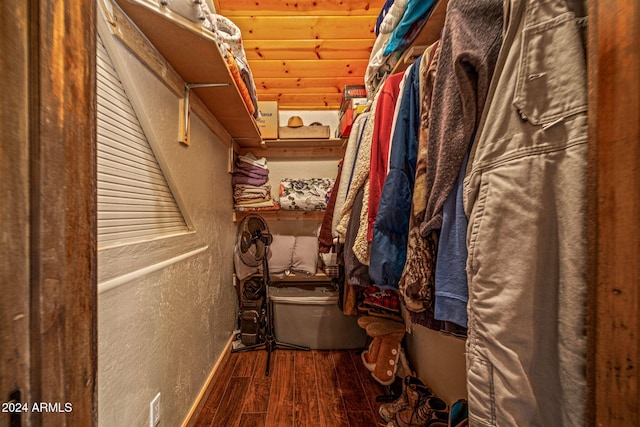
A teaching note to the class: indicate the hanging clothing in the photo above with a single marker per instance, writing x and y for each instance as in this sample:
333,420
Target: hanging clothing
360,243
417,282
325,239
525,197
389,244
348,163
451,288
471,40
381,139
360,173
356,272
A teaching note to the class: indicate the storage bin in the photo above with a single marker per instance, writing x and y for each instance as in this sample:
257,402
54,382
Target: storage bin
309,316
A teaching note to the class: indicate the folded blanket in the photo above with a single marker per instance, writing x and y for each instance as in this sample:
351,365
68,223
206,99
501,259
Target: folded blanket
264,195
242,179
248,168
244,189
235,73
253,160
229,35
311,194
244,208
258,200
262,204
249,174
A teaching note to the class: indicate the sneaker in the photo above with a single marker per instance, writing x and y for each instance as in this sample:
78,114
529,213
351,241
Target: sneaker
421,411
389,410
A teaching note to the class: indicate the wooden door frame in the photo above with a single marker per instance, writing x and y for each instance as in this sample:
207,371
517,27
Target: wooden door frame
614,212
48,175
48,182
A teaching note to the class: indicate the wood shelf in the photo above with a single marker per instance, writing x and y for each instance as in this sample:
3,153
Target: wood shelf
298,278
295,278
427,36
315,149
281,215
193,52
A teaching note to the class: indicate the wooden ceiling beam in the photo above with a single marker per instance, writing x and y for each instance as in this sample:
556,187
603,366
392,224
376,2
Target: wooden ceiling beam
308,49
304,102
324,68
312,84
305,27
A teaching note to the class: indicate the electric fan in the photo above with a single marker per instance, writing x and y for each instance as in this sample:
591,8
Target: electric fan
252,246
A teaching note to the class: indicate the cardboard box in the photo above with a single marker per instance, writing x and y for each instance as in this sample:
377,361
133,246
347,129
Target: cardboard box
305,132
268,122
354,91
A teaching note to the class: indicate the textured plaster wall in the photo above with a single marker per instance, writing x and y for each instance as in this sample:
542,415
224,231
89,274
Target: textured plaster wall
163,332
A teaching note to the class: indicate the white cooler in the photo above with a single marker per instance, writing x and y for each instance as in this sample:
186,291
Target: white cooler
309,316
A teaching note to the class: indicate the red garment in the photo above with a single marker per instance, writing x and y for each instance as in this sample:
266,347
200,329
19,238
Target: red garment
380,145
325,238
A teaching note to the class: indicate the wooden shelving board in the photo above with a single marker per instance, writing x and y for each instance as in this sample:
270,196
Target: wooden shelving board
193,52
298,278
281,215
294,278
312,149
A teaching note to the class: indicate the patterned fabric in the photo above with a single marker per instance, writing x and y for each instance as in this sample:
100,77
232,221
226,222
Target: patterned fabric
229,35
417,283
310,194
381,298
242,87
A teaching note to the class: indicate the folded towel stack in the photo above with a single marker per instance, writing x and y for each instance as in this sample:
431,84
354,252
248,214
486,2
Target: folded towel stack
250,180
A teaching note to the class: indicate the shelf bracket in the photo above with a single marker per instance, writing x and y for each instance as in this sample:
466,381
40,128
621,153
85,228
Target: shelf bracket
184,128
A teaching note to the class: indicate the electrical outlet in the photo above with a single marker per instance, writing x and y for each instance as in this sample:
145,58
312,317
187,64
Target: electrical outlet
154,411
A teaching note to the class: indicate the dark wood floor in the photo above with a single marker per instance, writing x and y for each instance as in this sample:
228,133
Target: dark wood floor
304,388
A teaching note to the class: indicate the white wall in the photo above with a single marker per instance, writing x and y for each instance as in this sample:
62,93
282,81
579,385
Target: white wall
167,308
325,117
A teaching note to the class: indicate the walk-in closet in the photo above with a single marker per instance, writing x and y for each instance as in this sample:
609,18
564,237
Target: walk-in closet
320,213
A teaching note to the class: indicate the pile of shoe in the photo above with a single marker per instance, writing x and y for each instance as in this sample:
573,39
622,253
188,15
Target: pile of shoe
418,407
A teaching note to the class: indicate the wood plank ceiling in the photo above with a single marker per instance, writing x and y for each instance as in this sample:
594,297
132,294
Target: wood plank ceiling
302,53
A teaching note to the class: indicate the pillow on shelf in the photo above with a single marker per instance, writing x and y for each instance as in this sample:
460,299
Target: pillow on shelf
281,255
305,255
